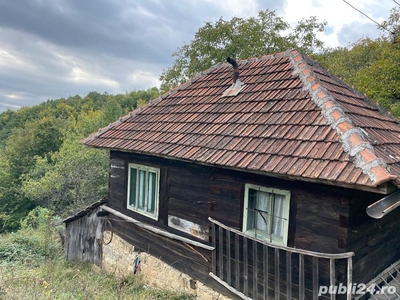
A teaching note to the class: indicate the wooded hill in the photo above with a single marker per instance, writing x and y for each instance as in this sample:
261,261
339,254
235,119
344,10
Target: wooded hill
43,164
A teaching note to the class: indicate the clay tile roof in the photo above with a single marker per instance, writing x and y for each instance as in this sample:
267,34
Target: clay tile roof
292,119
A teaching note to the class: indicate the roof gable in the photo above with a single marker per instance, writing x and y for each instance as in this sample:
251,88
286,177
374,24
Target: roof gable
292,118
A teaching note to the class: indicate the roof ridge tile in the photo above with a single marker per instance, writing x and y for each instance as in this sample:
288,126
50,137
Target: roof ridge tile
351,137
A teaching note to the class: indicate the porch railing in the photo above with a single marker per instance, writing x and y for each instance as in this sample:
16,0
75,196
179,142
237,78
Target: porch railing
255,269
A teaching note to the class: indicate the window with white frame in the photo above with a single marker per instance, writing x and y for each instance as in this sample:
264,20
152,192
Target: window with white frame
266,213
143,189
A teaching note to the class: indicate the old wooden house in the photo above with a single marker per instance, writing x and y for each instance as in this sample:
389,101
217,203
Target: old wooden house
272,186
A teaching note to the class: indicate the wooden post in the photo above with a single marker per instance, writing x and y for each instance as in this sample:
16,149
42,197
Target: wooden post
315,278
301,276
246,267
255,281
349,277
214,253
265,267
332,282
237,262
228,249
277,273
289,275
221,253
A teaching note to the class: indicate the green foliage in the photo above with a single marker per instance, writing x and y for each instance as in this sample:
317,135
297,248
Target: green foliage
371,66
37,138
36,242
41,160
240,38
77,178
37,218
32,268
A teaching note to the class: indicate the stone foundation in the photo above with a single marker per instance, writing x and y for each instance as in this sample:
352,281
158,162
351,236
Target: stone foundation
119,257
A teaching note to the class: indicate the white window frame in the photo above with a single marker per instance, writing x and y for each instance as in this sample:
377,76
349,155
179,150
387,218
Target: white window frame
251,231
157,189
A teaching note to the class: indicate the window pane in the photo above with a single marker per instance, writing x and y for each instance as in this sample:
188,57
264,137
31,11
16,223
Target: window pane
142,189
262,216
132,186
151,192
278,221
250,209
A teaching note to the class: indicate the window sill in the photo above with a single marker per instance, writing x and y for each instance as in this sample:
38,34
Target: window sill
264,236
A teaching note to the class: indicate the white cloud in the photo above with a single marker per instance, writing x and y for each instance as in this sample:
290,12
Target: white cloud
143,77
338,14
81,76
56,48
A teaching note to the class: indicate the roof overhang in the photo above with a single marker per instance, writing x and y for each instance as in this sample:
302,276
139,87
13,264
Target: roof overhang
384,188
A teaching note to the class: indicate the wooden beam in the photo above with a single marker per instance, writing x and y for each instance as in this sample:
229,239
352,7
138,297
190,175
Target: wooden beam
155,229
236,292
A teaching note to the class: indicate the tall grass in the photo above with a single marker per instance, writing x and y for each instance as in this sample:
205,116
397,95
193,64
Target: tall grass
32,267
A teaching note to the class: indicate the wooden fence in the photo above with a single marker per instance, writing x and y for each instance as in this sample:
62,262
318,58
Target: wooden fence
255,269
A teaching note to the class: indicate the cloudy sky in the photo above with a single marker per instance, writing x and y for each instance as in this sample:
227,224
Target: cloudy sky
57,48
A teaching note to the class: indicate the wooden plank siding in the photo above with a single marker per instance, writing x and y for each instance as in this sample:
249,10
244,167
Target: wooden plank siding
319,216
375,242
83,239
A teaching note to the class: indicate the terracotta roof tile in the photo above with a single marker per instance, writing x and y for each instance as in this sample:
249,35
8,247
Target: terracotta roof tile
292,118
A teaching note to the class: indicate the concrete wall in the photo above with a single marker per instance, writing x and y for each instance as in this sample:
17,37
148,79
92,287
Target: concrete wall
119,257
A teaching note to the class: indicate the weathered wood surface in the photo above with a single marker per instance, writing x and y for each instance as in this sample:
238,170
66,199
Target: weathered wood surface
375,242
155,229
322,218
318,213
265,269
194,261
83,239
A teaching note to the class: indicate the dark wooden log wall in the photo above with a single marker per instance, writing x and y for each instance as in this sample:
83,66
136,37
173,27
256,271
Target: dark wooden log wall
376,243
320,215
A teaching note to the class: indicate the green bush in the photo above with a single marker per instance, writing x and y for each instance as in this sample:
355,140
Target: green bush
32,267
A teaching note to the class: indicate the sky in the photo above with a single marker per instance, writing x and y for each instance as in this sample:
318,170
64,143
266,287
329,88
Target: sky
51,49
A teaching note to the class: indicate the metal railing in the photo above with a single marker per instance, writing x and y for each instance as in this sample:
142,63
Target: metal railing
255,269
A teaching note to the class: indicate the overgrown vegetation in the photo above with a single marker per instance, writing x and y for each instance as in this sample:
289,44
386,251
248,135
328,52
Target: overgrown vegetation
32,267
41,159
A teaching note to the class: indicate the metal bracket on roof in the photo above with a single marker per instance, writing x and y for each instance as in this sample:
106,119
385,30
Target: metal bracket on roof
234,89
384,206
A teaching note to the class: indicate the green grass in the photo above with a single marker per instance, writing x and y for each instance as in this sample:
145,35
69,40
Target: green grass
32,267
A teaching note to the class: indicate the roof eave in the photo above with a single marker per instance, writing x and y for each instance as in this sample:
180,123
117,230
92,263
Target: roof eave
380,188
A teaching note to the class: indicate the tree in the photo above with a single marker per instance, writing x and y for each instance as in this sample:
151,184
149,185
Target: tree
371,66
37,138
76,179
240,38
